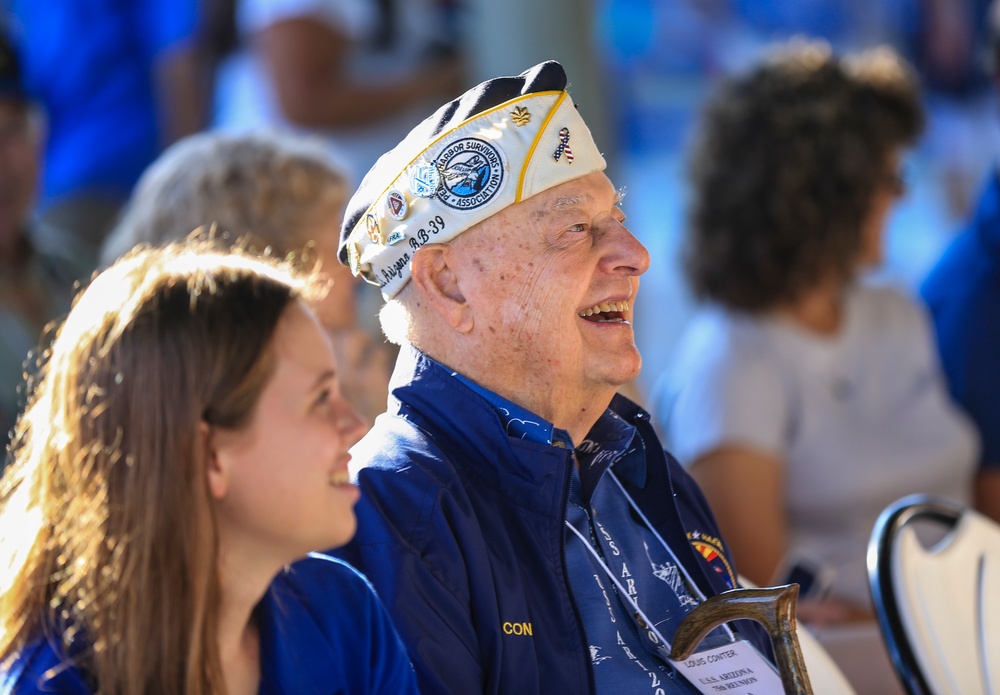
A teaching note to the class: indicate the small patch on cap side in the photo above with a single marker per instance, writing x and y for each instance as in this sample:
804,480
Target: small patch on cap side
425,181
563,147
374,233
395,203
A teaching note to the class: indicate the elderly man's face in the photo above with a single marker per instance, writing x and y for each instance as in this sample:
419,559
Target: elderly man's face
19,165
551,281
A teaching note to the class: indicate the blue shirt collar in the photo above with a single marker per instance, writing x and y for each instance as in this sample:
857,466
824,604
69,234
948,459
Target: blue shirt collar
610,434
517,421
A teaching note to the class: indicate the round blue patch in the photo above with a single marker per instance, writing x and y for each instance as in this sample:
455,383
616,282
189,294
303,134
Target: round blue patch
473,171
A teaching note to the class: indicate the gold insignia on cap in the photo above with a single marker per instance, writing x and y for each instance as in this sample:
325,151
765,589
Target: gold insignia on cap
520,116
354,256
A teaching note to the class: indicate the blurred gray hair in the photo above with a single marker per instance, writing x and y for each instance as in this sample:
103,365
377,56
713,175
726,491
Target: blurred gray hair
266,190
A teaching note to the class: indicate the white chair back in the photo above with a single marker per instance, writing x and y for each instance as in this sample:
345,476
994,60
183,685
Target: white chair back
938,606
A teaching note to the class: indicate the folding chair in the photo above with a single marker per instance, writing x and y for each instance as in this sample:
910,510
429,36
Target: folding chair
939,606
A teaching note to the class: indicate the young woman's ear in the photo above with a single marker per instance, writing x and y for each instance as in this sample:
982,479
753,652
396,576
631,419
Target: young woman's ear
215,468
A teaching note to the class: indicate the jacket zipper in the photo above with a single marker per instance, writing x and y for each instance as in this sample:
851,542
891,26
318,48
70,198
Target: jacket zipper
565,569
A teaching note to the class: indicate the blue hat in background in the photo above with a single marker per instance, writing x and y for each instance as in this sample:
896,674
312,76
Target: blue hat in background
11,84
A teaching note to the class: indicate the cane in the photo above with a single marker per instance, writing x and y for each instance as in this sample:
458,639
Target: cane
773,608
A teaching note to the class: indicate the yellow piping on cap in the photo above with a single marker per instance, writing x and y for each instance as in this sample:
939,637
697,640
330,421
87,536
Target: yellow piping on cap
506,104
531,150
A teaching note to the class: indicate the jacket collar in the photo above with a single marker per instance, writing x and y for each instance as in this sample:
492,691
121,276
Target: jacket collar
425,391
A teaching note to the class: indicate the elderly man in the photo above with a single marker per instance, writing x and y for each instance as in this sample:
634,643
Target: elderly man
519,519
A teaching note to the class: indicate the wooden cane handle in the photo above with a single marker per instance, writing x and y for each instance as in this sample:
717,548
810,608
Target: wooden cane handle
773,608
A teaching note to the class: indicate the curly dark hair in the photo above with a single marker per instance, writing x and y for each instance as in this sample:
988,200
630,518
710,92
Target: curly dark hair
785,168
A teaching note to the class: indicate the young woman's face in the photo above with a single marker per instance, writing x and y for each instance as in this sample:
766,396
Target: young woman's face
281,484
889,188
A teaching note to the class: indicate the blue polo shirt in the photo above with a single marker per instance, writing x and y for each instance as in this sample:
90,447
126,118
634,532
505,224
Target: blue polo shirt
322,630
624,654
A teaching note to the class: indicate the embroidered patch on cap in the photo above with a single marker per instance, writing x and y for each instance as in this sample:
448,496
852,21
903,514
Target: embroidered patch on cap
473,172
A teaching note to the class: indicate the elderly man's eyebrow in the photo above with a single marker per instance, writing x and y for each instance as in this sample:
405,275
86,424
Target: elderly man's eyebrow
575,201
568,202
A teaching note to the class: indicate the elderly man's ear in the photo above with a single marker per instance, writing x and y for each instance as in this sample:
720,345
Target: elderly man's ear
433,272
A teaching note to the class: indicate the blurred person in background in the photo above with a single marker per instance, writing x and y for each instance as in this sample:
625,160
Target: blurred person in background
118,80
37,266
185,444
962,293
360,72
270,191
947,39
801,399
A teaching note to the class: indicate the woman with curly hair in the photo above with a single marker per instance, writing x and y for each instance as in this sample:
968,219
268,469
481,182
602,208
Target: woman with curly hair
186,442
803,400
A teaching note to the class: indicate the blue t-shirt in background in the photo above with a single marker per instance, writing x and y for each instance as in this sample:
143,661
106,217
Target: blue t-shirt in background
91,64
963,293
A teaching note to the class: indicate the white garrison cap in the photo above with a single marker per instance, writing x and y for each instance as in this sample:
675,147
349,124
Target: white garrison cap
500,143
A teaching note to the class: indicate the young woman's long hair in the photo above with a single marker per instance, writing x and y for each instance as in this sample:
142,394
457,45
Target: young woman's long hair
108,542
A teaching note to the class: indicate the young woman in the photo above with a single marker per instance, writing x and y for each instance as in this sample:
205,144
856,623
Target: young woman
185,442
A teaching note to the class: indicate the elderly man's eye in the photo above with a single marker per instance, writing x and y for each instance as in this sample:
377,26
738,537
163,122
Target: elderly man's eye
577,228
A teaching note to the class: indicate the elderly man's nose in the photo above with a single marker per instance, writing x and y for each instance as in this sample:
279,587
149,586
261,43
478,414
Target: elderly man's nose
624,251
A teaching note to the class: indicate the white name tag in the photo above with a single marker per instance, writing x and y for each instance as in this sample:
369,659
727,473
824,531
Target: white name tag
735,668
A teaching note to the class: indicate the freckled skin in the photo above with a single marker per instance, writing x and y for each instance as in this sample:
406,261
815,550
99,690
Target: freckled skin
526,273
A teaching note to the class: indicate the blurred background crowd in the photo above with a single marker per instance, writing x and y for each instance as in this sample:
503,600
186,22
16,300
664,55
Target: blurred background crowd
134,121
117,82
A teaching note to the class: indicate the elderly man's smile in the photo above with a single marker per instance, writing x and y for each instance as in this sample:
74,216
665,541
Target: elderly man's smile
606,312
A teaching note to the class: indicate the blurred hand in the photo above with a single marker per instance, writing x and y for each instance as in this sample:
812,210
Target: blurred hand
826,612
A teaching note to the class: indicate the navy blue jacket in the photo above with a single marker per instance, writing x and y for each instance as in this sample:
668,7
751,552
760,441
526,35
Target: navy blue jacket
461,531
322,631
